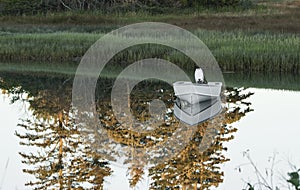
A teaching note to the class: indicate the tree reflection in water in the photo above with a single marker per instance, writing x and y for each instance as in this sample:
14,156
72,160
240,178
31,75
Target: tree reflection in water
62,158
59,158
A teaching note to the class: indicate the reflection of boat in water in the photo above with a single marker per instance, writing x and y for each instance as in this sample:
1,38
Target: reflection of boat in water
193,114
197,102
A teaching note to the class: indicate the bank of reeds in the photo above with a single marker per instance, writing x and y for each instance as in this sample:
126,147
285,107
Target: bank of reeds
234,51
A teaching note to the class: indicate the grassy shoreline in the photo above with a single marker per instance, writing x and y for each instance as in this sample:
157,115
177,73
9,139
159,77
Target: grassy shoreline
234,51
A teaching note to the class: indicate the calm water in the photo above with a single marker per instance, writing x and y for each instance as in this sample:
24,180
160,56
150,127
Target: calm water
35,110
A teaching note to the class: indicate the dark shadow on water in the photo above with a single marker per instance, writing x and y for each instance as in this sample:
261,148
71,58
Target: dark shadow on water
283,81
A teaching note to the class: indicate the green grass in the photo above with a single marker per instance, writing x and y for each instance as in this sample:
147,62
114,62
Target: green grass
45,47
240,51
234,51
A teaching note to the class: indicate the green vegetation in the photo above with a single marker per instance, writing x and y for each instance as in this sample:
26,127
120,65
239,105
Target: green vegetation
55,46
234,51
294,179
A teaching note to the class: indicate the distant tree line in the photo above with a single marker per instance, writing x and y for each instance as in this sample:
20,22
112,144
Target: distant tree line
21,7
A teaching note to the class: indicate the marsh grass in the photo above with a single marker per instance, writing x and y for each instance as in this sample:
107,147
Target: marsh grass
44,47
234,51
239,51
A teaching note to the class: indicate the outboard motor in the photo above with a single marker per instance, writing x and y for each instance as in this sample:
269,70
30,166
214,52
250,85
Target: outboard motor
199,76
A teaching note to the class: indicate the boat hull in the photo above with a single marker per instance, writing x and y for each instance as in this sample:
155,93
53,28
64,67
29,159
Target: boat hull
194,92
193,114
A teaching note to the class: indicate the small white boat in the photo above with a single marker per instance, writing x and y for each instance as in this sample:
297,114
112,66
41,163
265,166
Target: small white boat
197,102
196,92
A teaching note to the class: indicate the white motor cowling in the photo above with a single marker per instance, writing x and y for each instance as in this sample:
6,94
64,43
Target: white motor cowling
199,75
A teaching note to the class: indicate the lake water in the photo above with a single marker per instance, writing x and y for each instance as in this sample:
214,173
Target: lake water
272,128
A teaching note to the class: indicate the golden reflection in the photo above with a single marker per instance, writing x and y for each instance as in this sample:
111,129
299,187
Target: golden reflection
59,157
